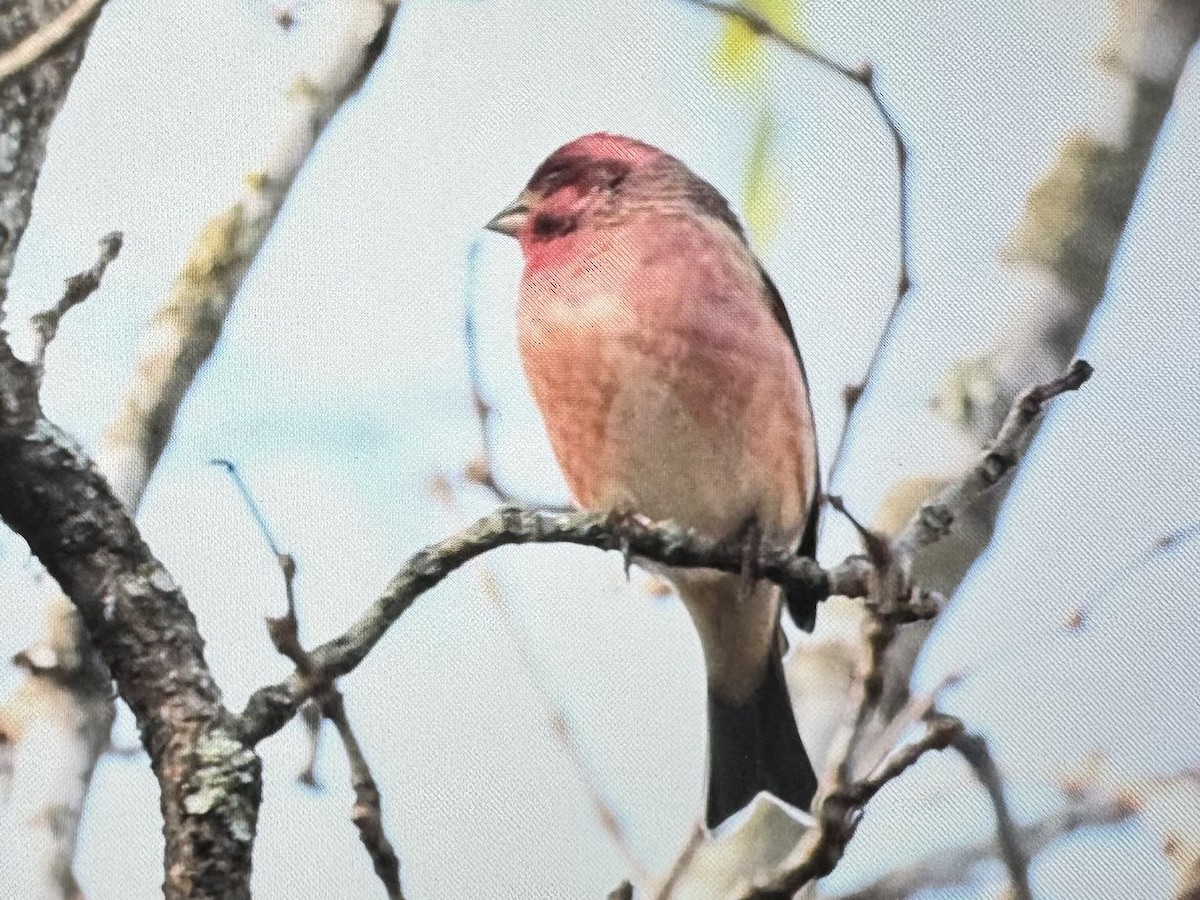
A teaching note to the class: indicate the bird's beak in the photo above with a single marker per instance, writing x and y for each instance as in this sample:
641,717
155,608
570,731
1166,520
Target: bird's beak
510,219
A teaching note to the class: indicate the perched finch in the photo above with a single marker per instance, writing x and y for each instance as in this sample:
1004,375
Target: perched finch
663,362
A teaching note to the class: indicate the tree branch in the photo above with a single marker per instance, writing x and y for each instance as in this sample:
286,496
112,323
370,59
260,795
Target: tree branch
954,866
270,708
974,750
840,812
863,77
53,497
557,721
180,338
79,288
50,36
935,518
284,631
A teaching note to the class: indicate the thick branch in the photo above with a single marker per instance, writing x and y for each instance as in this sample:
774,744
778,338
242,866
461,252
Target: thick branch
47,703
181,336
50,36
53,497
27,107
183,332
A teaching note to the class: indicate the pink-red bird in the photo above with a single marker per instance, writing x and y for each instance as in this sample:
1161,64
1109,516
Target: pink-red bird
667,372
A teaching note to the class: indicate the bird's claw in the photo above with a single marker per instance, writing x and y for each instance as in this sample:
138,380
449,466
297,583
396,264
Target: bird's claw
751,541
622,520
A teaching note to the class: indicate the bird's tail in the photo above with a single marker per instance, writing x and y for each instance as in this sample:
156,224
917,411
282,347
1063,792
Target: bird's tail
755,746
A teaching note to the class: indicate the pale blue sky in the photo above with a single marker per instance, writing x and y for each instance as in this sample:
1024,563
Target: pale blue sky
339,387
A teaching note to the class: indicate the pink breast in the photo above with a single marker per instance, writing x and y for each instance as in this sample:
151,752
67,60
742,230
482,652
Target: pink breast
671,308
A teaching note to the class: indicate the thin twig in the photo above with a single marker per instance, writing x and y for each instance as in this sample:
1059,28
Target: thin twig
367,811
51,35
682,862
556,716
892,593
864,77
840,813
917,708
936,518
956,865
252,506
1078,617
78,288
287,562
974,750
482,469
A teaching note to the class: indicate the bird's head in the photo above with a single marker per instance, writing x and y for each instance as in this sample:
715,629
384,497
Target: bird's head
582,183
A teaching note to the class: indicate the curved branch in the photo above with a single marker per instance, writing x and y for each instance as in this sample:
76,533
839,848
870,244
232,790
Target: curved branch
270,708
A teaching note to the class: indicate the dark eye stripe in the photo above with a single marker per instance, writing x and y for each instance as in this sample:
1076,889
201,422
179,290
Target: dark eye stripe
546,226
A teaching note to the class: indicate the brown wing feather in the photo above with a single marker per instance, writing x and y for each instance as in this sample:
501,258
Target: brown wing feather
801,608
709,200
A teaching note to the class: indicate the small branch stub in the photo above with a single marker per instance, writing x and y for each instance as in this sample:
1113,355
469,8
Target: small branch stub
78,288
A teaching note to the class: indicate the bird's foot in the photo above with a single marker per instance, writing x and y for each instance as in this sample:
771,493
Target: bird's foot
623,519
750,536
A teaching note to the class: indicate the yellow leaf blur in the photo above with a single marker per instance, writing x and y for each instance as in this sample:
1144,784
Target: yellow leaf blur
762,191
738,56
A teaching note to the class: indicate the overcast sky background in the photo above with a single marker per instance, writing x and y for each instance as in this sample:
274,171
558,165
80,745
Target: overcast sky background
339,387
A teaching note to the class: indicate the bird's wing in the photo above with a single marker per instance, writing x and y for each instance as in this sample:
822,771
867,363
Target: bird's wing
802,610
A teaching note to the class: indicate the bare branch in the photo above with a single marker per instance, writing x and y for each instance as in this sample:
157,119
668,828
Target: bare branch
974,750
367,813
184,330
556,717
682,862
482,469
79,288
50,36
864,77
954,866
270,708
284,631
935,518
840,812
761,26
